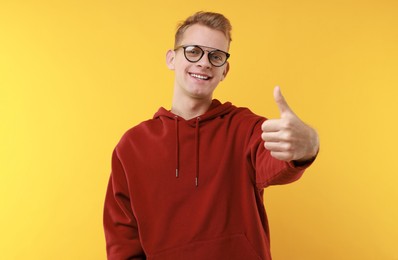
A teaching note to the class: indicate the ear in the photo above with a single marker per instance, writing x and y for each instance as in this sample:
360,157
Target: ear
225,72
170,55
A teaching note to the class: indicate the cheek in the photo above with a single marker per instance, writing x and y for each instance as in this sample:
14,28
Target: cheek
179,69
181,65
219,76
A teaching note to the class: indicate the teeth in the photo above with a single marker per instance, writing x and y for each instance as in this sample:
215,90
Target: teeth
199,76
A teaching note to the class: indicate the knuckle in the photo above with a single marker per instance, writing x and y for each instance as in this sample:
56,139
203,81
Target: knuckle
287,135
289,147
288,124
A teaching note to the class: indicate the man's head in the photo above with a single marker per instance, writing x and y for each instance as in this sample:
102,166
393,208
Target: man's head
212,20
199,58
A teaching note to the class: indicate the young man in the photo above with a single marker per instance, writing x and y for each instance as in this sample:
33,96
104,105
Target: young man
188,184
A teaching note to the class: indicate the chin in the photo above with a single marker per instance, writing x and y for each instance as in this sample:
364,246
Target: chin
201,93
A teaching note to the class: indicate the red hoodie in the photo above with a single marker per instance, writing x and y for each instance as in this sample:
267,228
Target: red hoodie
192,189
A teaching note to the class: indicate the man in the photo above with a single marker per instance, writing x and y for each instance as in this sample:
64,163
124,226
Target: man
188,184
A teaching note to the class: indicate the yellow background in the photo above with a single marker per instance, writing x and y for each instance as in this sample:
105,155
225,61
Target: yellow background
75,75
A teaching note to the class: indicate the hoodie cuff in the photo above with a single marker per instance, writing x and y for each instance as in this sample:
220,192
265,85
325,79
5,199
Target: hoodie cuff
302,164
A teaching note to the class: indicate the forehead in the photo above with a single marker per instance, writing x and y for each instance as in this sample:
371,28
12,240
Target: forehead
198,34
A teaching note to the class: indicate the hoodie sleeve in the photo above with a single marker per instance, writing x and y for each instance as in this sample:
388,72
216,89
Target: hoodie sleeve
120,225
268,170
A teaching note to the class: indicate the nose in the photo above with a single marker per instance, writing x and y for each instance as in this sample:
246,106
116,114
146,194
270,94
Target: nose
204,61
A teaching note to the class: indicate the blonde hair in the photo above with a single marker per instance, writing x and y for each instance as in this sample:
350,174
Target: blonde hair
212,20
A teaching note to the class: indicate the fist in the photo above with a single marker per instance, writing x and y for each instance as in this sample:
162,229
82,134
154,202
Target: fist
288,138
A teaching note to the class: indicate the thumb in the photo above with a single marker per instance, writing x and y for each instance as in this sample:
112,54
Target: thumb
281,102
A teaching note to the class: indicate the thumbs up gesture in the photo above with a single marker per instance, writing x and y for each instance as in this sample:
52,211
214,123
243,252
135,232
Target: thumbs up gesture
288,138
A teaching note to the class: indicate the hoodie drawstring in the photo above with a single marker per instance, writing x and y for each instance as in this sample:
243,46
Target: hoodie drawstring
197,151
216,110
177,147
197,140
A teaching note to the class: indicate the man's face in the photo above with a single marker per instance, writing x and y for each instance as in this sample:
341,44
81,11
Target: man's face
198,80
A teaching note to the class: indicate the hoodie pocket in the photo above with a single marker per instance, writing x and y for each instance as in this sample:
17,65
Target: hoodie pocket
234,247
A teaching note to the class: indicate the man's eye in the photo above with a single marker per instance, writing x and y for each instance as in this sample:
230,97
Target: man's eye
216,56
193,51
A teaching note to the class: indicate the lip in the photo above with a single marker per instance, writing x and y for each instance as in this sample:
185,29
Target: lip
200,76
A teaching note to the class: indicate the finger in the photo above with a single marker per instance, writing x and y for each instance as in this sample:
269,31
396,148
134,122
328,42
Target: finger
273,147
283,156
271,136
280,101
271,125
278,147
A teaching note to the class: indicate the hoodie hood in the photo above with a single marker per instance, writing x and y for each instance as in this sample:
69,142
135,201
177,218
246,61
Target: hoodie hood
216,109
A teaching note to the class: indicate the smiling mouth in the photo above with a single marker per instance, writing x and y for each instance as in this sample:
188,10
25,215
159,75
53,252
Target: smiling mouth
201,77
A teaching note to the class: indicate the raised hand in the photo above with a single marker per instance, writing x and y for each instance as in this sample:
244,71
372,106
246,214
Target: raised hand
288,138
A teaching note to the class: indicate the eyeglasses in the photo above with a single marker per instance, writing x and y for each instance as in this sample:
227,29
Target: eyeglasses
193,53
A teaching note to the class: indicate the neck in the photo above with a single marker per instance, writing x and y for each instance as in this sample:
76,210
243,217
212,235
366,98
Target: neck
190,108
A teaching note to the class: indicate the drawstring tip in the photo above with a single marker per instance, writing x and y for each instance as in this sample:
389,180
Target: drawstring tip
196,181
176,173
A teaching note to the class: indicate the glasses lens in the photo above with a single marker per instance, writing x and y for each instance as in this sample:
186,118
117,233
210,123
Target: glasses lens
217,58
193,53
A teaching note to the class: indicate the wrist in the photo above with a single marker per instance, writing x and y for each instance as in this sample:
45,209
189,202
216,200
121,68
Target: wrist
313,150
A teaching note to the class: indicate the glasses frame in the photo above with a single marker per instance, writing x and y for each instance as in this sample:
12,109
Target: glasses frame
203,53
